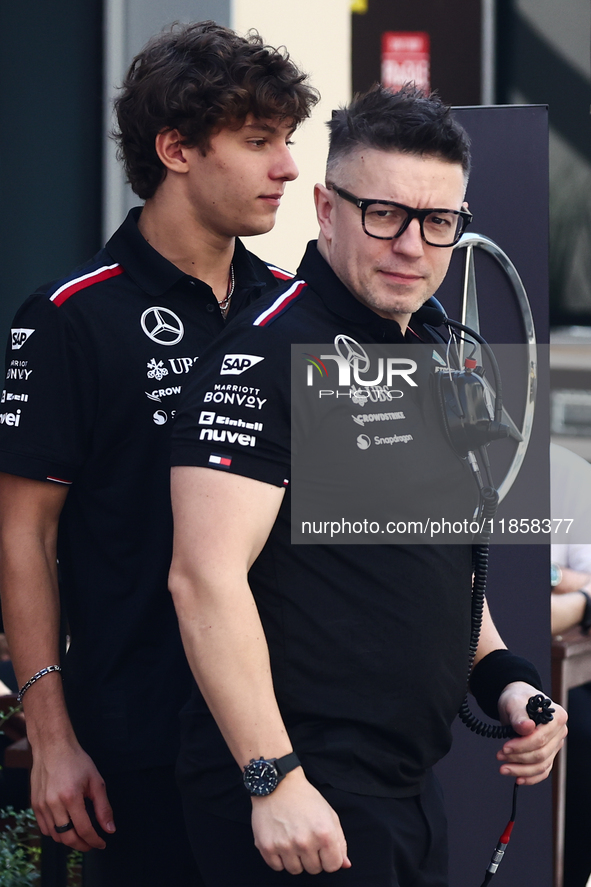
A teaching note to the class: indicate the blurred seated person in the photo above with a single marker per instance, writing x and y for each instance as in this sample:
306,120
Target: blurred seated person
570,477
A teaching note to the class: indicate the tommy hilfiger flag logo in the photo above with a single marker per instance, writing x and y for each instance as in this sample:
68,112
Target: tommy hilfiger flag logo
220,461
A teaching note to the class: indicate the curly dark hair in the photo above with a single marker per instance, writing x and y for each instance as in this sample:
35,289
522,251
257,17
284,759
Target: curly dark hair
409,121
199,78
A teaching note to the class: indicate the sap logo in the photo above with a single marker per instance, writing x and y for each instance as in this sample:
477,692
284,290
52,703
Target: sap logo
180,365
236,364
19,337
245,440
14,373
10,418
159,393
7,395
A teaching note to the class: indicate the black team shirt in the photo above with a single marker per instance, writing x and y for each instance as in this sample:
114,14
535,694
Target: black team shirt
368,643
95,366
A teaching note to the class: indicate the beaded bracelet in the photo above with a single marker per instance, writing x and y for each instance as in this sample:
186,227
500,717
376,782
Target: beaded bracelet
40,674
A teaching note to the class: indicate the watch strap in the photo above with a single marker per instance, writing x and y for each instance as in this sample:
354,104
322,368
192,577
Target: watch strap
585,622
286,764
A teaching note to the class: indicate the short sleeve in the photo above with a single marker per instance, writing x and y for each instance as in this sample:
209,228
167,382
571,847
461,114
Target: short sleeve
49,395
235,413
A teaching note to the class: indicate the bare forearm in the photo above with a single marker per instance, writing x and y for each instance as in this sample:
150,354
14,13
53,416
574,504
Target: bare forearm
566,610
227,650
220,625
572,580
30,602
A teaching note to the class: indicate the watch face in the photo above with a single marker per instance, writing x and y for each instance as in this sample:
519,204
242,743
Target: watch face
555,575
260,777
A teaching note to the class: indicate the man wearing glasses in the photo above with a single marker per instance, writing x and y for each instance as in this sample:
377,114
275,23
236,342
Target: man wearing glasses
333,672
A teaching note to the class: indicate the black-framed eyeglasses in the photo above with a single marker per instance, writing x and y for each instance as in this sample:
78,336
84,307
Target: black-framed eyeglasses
386,219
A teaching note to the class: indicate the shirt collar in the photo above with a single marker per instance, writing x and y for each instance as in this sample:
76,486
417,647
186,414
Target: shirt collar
154,274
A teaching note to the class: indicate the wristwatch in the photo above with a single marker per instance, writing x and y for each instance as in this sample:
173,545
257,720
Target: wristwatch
262,776
585,622
555,575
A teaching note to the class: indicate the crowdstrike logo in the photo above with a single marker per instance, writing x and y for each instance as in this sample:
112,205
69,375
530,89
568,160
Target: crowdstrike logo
159,393
364,418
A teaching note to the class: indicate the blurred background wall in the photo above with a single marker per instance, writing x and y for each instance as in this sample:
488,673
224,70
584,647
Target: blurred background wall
63,193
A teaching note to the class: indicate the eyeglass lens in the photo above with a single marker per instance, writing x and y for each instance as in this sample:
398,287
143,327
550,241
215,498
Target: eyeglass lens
439,228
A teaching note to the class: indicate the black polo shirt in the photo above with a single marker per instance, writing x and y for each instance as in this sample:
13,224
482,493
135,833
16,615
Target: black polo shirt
368,643
95,367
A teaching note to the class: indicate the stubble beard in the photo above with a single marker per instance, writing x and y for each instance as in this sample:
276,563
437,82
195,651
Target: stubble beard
393,305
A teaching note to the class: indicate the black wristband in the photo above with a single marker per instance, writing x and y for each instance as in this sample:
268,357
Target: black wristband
585,622
492,674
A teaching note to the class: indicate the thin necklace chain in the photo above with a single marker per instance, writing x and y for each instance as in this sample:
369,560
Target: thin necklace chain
225,303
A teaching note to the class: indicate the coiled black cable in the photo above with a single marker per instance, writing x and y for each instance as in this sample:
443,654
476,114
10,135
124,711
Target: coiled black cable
490,501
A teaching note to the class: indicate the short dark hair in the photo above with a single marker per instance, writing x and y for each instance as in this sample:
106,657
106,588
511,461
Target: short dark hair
409,121
199,78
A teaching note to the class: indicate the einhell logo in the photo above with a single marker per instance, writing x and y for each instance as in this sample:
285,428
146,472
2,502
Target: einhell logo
354,366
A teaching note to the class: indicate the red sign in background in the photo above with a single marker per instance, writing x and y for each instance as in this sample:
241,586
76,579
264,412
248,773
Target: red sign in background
406,56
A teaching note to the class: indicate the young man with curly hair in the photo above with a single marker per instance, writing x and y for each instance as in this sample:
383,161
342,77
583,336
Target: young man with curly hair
95,365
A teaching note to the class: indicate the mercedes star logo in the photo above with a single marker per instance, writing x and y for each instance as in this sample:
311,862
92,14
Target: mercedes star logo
162,325
352,352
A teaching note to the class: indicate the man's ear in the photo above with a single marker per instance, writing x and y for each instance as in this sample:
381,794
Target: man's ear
171,151
324,201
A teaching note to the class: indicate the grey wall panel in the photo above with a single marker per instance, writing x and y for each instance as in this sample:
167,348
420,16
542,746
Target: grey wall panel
146,17
508,195
50,167
129,24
